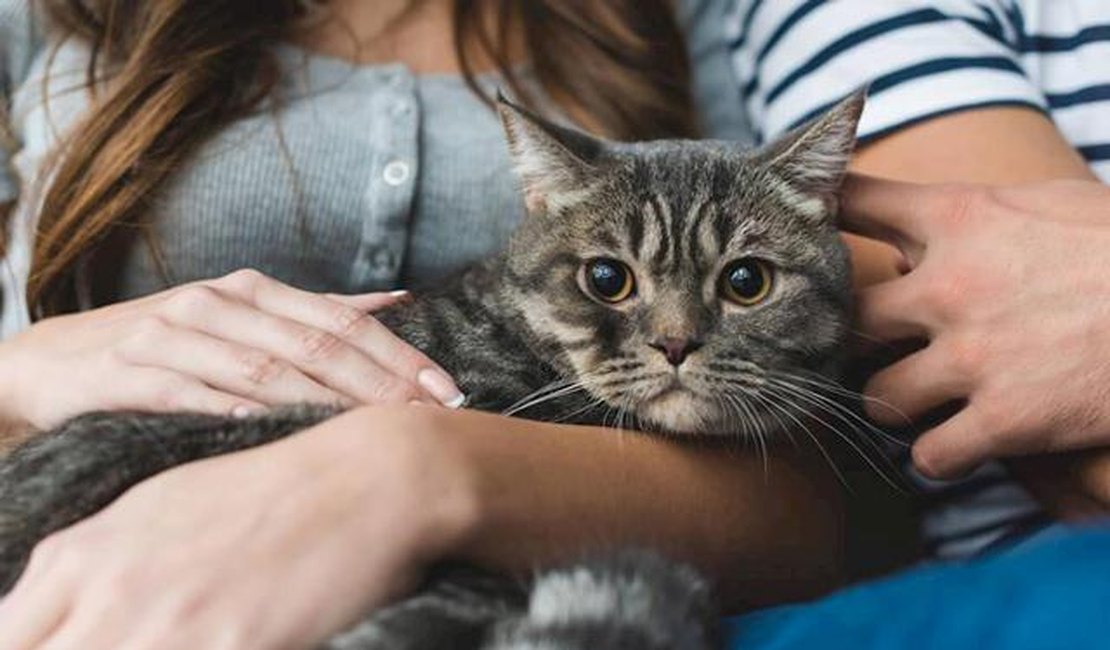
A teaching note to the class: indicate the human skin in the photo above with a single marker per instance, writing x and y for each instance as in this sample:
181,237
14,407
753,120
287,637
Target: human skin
1019,336
229,346
995,147
346,515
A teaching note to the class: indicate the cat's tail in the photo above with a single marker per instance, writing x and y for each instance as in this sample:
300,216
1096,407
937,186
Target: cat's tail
623,601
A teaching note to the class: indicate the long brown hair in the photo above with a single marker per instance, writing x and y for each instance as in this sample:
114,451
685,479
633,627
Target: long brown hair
171,73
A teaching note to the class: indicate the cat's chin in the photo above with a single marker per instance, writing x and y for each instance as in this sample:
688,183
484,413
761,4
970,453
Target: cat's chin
677,411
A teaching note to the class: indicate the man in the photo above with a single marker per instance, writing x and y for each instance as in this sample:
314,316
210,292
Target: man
1010,288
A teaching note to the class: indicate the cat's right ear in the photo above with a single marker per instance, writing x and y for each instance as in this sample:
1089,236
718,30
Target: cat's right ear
813,158
556,165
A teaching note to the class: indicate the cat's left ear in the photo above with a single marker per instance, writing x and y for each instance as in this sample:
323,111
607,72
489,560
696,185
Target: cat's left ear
813,159
557,166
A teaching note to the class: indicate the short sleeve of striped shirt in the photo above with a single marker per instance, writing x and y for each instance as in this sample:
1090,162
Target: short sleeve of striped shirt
922,59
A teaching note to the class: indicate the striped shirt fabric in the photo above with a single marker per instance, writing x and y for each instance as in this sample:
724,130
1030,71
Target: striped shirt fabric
924,59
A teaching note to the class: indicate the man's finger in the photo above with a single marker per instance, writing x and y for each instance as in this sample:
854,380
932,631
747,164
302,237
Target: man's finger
966,440
913,387
890,311
890,211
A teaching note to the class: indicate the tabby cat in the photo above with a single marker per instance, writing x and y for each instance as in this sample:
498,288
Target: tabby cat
672,287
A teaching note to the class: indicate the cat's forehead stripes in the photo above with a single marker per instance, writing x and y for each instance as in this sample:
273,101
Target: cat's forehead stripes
693,234
698,253
711,241
651,243
656,239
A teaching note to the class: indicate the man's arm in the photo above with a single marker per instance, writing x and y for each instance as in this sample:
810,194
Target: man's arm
999,146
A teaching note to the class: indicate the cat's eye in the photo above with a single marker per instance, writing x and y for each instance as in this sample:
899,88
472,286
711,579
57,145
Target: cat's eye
609,280
746,282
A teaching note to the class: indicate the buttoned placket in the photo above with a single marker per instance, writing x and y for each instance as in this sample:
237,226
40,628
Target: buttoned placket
392,179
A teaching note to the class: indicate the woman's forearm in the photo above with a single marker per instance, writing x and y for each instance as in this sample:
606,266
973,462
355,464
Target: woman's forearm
547,493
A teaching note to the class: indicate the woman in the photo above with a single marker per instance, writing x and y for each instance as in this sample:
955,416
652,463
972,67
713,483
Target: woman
342,147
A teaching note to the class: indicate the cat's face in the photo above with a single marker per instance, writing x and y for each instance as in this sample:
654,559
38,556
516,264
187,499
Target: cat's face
682,282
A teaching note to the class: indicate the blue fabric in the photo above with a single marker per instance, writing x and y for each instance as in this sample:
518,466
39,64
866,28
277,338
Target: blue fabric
1051,592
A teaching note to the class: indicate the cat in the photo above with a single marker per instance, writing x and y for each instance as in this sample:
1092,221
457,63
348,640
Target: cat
674,287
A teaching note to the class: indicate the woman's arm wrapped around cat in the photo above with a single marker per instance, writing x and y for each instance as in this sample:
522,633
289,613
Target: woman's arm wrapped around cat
343,517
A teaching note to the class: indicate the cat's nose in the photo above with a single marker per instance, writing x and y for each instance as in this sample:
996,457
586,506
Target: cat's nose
676,349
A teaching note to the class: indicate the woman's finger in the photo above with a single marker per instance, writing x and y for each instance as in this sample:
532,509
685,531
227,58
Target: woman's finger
96,623
371,302
355,327
73,637
162,390
328,358
30,627
229,368
35,608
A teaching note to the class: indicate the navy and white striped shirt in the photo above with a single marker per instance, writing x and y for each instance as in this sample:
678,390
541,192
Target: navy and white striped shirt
924,59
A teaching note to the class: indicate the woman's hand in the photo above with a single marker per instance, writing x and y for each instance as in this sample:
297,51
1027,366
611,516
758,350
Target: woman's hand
230,345
277,547
1010,288
291,542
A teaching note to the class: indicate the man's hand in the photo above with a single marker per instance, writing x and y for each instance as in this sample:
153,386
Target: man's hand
1009,288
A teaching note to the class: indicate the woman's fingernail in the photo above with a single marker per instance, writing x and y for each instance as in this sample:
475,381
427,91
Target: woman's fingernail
241,412
442,388
400,293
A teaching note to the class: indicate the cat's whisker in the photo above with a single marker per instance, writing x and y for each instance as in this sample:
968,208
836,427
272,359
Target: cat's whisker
760,435
827,384
769,400
740,418
630,398
870,338
842,411
783,429
830,407
551,395
569,415
555,385
883,472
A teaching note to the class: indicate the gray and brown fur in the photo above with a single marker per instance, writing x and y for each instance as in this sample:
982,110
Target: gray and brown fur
521,336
